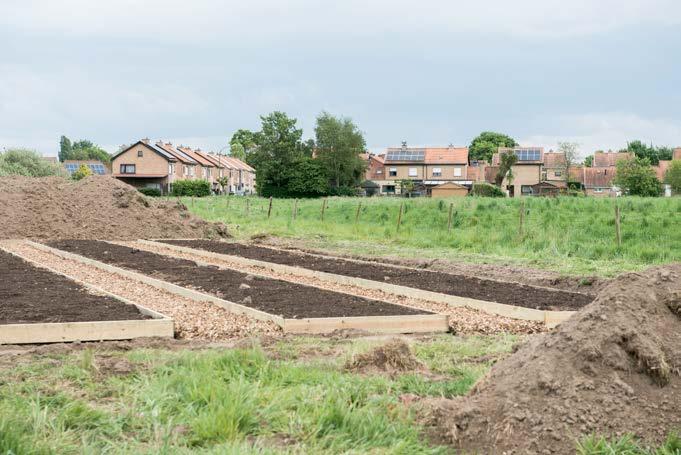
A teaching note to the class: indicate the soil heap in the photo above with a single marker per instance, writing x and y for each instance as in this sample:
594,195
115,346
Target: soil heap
98,207
613,368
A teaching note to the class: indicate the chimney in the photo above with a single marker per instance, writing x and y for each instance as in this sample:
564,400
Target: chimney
146,140
404,145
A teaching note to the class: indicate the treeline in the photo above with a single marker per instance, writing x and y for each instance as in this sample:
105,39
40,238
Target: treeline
81,150
18,161
288,166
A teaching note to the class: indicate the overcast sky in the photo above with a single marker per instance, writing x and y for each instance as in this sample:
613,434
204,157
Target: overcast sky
428,72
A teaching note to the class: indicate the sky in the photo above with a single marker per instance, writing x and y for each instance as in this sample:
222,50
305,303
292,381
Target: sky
598,73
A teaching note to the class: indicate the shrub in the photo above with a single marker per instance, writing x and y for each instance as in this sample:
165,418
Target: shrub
27,163
82,172
197,188
153,192
486,190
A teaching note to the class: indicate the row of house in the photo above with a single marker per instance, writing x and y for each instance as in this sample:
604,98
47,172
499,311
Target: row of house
447,171
158,165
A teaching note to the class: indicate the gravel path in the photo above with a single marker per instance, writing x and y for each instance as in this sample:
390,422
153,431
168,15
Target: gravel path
461,319
193,319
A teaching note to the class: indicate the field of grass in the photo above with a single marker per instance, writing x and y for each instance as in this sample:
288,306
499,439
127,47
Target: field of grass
293,397
568,235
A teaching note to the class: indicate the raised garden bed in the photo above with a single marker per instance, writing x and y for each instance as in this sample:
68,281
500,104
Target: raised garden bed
40,306
444,283
289,301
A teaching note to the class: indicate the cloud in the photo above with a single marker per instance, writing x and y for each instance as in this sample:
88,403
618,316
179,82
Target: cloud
607,131
207,20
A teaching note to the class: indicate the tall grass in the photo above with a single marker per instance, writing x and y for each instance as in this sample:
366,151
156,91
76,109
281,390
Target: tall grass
571,235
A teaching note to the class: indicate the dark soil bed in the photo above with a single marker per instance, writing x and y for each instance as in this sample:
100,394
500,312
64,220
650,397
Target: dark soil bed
446,283
30,294
277,297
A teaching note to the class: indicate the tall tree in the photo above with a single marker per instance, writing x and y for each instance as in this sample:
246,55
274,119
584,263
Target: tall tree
650,152
506,162
81,150
338,145
487,143
64,148
673,176
637,178
589,161
570,149
243,143
279,147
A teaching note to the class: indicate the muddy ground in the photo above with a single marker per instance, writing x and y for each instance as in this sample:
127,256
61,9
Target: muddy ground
272,296
446,283
29,294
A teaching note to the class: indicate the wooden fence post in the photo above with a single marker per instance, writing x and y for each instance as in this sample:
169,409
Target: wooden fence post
323,208
522,218
399,216
359,207
269,209
449,220
618,231
295,209
248,203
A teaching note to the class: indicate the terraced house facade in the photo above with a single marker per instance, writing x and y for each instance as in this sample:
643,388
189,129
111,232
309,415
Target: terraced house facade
158,165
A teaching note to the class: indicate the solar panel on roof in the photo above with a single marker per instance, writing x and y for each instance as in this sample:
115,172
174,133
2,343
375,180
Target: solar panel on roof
528,154
406,155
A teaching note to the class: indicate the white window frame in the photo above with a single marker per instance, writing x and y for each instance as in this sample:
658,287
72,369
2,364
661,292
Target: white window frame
392,172
437,172
457,172
413,172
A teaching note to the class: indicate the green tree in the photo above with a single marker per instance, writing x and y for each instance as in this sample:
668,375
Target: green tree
652,153
589,161
82,172
407,186
570,150
338,145
27,163
279,147
507,160
307,178
81,150
637,178
487,143
242,144
673,176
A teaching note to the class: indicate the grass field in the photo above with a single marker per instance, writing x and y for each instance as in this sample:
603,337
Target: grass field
568,235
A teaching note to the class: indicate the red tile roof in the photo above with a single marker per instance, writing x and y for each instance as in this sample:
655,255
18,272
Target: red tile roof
209,158
610,159
554,159
446,155
594,177
170,148
192,154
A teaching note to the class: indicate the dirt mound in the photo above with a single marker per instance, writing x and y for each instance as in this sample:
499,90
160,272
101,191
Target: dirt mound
614,368
94,208
394,357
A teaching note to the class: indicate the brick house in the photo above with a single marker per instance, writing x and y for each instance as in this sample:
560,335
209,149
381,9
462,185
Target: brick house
527,172
145,165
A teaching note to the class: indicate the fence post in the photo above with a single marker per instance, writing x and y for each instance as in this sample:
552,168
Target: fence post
522,218
359,207
449,218
618,231
269,209
295,209
399,216
323,208
248,203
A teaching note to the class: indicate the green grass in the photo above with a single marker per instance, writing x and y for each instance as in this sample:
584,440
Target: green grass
627,445
294,397
568,235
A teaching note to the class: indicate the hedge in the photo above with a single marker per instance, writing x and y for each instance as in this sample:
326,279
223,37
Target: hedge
153,192
197,188
486,190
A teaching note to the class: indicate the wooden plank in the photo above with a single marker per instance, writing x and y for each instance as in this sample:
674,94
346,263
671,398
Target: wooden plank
427,323
501,309
164,285
62,332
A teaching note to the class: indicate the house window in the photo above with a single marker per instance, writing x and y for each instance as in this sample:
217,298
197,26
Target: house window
457,172
128,169
393,172
413,172
171,168
598,190
388,189
379,171
437,172
558,173
526,190
140,154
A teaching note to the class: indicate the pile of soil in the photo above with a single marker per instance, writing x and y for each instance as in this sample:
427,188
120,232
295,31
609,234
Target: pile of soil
98,207
394,357
613,368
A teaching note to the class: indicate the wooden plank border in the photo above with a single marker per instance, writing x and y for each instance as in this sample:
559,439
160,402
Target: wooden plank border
379,324
550,318
60,332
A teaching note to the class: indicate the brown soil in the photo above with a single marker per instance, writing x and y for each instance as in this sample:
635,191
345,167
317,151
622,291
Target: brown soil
97,207
499,270
446,283
29,294
613,368
277,297
394,357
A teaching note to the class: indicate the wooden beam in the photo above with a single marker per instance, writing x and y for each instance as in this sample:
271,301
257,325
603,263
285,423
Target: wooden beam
427,323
